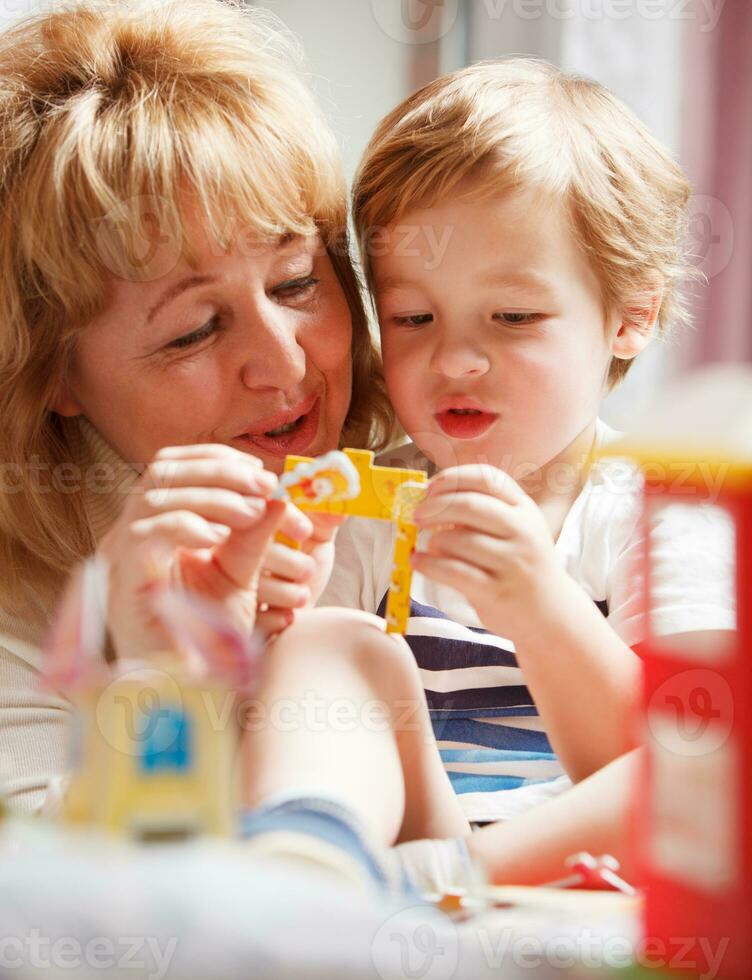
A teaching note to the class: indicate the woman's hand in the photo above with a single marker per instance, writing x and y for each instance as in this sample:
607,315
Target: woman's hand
293,579
201,516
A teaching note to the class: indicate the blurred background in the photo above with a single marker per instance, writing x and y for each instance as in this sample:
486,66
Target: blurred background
681,65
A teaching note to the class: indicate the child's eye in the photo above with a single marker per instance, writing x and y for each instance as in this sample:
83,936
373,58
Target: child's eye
197,336
296,288
416,320
515,319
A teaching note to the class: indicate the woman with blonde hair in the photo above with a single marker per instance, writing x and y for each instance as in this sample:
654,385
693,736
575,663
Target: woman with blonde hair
179,310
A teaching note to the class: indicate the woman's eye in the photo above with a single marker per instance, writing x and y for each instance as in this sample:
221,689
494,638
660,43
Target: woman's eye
296,287
416,320
515,319
197,336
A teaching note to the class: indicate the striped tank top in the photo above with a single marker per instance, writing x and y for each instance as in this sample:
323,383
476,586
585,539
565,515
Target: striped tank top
489,733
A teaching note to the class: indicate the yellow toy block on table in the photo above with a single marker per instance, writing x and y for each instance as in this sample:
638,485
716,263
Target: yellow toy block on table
385,493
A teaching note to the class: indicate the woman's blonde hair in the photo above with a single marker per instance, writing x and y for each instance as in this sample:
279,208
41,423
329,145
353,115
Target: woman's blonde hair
107,112
520,122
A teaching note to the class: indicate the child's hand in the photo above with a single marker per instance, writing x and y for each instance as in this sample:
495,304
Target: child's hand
490,542
293,579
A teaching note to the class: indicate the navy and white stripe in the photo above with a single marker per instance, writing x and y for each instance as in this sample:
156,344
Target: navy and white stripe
487,726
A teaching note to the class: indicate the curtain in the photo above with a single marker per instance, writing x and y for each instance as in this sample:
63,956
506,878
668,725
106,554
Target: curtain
718,109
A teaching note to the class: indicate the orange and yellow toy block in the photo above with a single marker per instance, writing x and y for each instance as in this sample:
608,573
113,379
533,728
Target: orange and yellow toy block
347,482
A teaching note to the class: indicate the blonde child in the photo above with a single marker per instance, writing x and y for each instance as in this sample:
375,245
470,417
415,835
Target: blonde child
521,234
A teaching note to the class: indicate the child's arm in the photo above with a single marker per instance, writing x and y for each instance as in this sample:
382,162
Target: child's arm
492,544
592,816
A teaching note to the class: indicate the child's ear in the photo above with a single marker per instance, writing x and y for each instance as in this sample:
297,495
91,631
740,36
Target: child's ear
636,328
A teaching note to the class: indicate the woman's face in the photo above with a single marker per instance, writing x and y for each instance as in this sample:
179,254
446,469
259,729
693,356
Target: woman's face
250,349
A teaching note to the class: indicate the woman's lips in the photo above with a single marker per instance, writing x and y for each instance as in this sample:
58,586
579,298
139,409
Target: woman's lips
465,425
292,443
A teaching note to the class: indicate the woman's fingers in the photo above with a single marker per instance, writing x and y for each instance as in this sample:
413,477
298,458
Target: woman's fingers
325,526
240,557
237,472
214,504
278,593
294,523
269,622
178,528
287,563
208,450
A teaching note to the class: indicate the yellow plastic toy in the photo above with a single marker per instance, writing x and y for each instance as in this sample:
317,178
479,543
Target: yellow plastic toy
328,485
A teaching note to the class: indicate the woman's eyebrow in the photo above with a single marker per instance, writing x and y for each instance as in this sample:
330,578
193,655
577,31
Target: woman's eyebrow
190,282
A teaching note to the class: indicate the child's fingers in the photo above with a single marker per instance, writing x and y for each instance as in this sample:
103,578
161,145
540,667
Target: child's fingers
485,552
279,593
477,511
450,571
480,478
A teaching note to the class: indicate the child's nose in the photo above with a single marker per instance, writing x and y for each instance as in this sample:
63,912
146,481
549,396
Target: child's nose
459,359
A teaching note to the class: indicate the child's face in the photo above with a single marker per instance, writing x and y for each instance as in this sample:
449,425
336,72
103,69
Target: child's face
490,308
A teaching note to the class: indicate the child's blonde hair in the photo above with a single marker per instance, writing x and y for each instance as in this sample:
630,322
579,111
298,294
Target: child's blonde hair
105,106
520,122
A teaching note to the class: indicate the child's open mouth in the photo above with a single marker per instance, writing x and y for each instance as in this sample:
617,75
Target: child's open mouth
465,423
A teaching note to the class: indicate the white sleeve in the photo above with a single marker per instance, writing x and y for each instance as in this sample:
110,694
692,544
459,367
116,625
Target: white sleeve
34,728
692,572
362,566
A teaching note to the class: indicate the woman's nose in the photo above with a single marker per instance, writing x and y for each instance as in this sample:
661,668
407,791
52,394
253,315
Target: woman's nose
274,357
459,357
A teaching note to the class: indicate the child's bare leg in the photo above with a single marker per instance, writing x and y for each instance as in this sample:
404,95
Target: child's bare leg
342,708
591,816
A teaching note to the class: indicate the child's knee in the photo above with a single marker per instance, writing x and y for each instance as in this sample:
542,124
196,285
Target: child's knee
351,635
